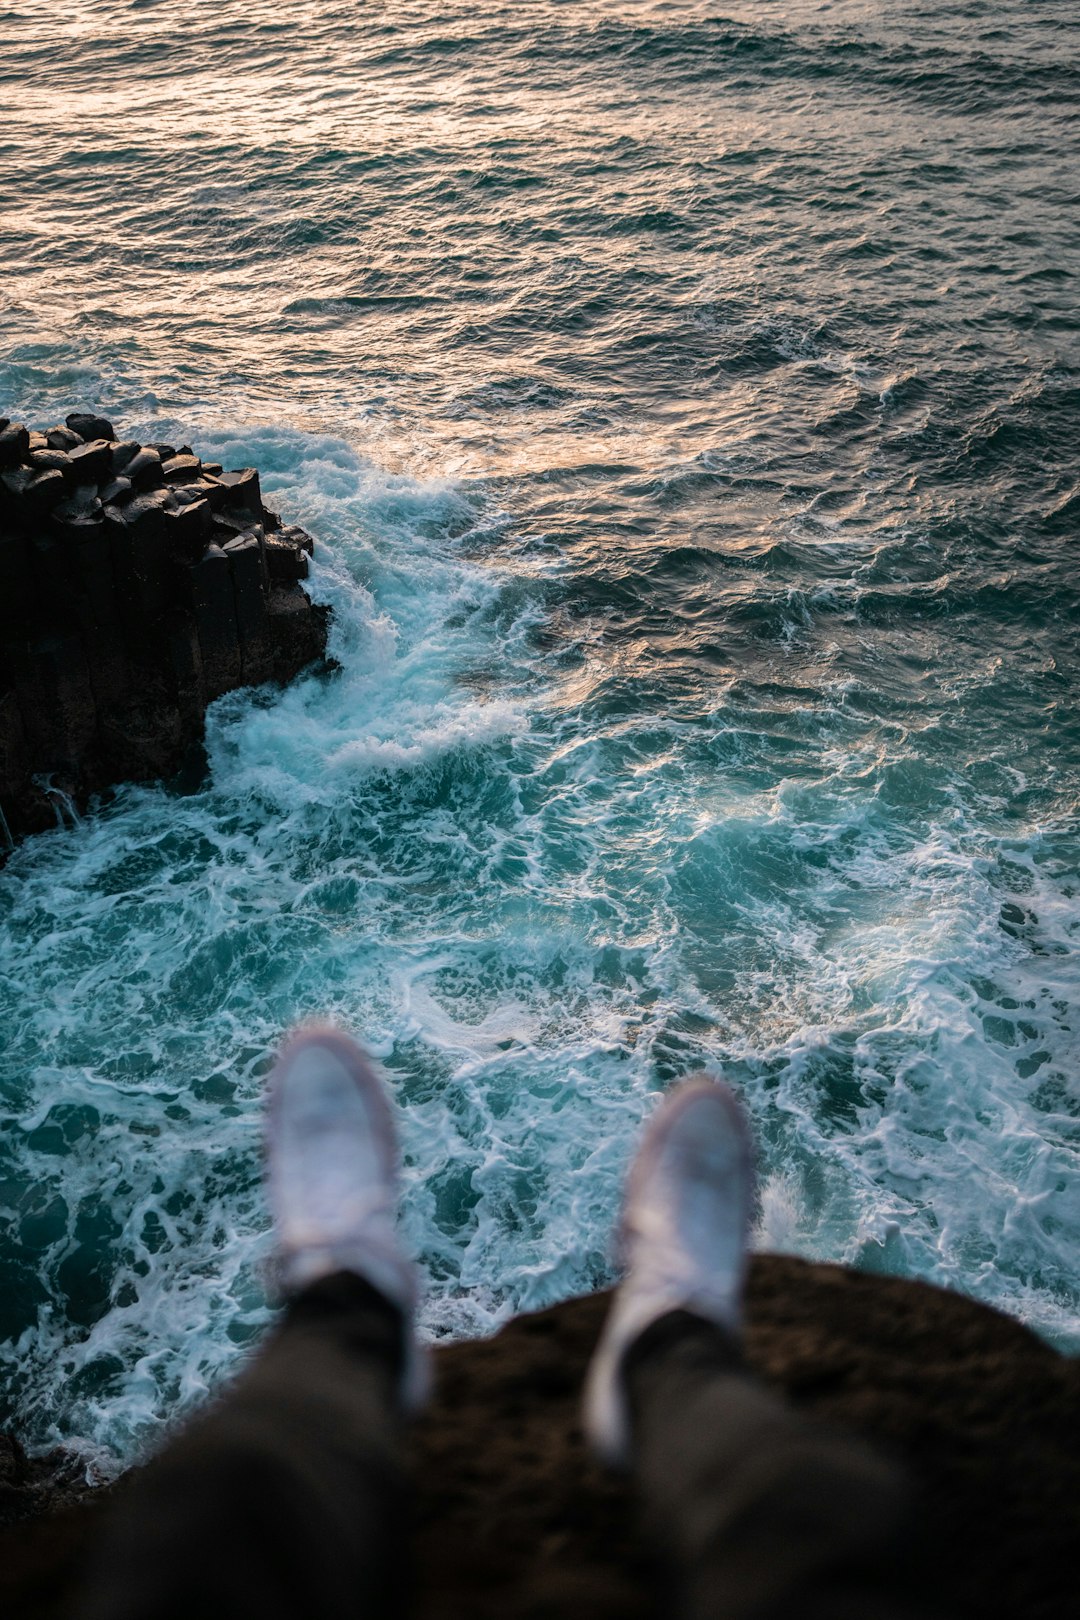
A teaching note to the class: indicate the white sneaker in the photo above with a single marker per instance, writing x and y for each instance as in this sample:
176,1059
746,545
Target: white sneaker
332,1176
682,1240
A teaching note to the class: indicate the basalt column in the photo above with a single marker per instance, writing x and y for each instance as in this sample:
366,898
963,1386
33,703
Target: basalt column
137,584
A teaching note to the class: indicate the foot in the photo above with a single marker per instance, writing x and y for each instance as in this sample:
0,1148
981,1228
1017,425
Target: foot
682,1240
332,1174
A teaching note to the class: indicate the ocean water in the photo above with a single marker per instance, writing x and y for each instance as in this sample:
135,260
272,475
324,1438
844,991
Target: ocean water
685,400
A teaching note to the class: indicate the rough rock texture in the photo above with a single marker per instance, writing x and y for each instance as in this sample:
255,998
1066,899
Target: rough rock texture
514,1521
137,584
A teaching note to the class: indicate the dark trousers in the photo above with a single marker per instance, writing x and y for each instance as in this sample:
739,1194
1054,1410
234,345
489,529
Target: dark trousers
284,1501
762,1514
286,1498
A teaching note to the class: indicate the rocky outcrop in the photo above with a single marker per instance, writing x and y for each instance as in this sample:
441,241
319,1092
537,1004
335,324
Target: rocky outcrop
137,584
513,1521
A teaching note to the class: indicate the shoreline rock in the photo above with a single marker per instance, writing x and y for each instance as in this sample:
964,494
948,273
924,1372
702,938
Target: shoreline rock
137,584
513,1521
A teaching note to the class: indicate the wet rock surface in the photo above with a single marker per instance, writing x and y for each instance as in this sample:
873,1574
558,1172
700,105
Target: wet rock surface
137,584
513,1520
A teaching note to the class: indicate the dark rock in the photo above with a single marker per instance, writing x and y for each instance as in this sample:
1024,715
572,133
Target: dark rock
14,444
215,618
215,491
187,527
285,562
297,631
98,614
298,537
14,759
144,470
182,469
62,438
213,468
160,723
52,460
122,452
81,500
92,564
142,736
54,580
185,494
120,619
116,492
139,560
80,515
185,674
263,566
46,489
18,590
252,618
88,426
145,514
52,683
92,461
242,490
149,732
166,451
32,491
229,525
4,420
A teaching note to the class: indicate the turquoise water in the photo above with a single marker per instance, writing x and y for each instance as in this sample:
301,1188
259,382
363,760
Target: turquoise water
686,408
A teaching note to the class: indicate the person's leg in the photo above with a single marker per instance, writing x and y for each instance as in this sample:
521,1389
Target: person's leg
763,1514
286,1498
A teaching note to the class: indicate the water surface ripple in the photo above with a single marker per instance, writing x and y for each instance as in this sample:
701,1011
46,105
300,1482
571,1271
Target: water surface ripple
686,405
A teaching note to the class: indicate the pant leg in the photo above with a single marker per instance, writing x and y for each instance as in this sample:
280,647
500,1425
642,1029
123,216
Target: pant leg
286,1498
763,1513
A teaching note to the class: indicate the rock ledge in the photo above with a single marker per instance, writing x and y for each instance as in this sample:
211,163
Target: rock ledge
515,1522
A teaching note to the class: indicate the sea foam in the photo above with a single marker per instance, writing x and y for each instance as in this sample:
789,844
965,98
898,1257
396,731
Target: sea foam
537,909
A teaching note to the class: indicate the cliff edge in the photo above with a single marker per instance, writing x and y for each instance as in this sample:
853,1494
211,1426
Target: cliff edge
513,1520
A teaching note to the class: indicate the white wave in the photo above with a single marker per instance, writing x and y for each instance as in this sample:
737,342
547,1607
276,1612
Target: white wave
537,914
